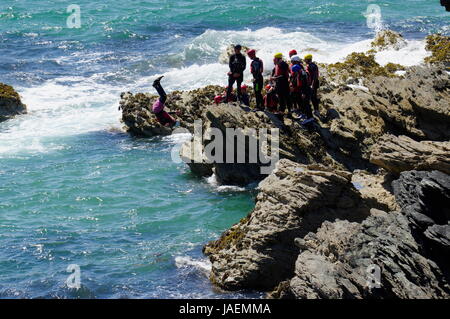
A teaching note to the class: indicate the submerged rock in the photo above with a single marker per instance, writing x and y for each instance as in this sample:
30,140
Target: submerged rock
10,103
398,154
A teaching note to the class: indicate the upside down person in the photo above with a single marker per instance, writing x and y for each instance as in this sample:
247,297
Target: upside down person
158,107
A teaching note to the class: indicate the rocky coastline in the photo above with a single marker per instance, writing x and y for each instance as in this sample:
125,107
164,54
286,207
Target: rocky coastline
10,103
358,205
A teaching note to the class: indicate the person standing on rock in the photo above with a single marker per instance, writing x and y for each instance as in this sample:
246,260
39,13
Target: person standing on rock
280,74
158,107
313,72
237,66
294,88
301,91
257,69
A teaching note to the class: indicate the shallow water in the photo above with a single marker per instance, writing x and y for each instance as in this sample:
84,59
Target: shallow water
74,189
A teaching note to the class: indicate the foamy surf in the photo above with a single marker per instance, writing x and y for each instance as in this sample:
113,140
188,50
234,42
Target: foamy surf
202,265
212,181
268,41
57,109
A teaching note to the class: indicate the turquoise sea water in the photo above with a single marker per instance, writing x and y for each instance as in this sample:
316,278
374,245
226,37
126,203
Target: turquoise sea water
75,189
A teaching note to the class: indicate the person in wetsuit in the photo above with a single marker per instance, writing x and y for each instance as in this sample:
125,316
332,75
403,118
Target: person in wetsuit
313,71
237,66
280,75
158,107
257,69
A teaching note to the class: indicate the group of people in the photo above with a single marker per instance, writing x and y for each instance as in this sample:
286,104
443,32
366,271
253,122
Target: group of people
292,86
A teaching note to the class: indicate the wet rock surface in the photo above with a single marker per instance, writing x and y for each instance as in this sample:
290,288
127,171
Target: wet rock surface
10,103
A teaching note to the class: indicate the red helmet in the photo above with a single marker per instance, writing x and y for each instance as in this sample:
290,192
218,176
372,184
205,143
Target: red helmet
251,53
218,99
244,87
268,87
292,52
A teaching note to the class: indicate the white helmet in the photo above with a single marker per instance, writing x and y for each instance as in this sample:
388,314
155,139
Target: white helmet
296,58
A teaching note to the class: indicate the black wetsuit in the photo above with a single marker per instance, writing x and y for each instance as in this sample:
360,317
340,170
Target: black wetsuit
237,64
314,74
258,81
281,72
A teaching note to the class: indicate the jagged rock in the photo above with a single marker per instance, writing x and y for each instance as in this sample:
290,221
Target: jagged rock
139,120
10,103
409,248
294,144
229,51
336,262
439,46
199,166
376,189
415,105
388,39
137,115
294,200
424,198
398,154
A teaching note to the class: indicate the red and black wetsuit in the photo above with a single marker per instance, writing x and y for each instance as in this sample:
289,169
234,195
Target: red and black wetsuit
301,90
271,101
281,73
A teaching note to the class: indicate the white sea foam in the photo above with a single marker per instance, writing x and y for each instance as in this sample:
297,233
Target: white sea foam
57,109
212,180
269,40
202,265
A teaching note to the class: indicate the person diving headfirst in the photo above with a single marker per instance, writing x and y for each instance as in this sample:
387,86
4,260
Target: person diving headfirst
158,106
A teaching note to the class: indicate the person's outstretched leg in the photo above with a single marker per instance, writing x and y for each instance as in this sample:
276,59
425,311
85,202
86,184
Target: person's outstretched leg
160,90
